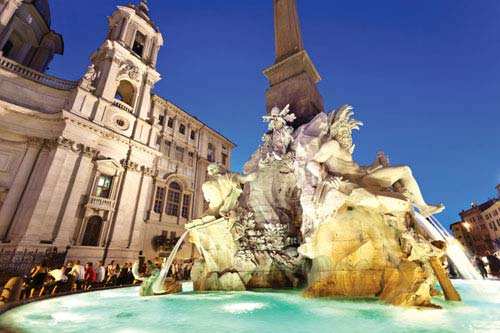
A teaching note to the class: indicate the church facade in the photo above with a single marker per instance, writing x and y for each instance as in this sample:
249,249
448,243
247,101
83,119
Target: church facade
101,166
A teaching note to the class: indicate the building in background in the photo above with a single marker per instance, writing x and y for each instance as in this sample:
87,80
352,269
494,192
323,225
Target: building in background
100,166
479,228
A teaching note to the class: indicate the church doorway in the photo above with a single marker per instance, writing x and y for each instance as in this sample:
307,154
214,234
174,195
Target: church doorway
92,231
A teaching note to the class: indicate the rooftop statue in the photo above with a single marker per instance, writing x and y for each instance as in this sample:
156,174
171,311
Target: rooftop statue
334,164
279,136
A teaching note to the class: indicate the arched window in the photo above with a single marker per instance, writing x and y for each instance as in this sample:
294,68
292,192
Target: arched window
139,42
125,92
173,199
92,231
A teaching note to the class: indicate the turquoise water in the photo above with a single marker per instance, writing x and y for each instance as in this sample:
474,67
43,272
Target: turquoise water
123,311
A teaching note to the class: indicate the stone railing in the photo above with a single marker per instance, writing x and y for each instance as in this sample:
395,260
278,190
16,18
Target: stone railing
36,76
101,203
124,106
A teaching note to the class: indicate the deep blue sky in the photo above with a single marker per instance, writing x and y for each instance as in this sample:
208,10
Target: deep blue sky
423,75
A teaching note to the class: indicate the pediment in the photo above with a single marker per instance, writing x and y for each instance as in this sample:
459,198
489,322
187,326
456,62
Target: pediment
109,167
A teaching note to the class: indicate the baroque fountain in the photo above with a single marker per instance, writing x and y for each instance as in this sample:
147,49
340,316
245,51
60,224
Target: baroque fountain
305,240
306,215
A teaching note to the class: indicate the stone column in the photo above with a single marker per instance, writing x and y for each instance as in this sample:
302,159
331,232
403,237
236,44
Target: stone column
141,207
154,55
125,208
124,26
7,10
31,195
82,185
41,59
16,191
52,191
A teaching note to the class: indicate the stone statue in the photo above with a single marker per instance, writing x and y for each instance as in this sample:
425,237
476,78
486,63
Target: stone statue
279,136
89,78
223,191
334,164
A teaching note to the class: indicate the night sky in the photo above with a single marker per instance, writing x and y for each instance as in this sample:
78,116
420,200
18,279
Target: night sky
423,75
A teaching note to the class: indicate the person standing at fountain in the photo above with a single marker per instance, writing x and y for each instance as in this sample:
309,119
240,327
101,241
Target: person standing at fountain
480,266
494,264
100,273
110,269
78,271
90,276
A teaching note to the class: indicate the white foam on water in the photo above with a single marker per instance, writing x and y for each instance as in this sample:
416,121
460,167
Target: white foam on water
187,287
329,311
418,317
237,308
197,297
64,317
116,293
74,303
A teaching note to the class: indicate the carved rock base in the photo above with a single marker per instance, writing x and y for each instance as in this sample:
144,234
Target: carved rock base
359,251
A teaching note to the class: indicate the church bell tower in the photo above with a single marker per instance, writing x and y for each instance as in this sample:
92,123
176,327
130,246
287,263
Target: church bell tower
123,70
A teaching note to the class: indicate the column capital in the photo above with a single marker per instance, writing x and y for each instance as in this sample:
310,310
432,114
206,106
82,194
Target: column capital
34,142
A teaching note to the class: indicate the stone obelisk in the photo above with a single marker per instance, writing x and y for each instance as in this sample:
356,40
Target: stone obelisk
293,77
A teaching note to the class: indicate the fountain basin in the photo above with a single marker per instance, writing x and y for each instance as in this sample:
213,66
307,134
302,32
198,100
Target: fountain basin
123,311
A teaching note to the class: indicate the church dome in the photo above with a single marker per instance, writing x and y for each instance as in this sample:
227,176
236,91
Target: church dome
43,8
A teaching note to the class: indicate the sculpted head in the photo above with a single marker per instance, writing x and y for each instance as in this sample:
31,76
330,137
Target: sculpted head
342,127
215,169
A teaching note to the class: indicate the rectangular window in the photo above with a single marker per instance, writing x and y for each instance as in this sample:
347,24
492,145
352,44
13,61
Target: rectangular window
182,129
193,135
173,203
186,203
7,48
173,235
191,158
165,149
179,154
211,153
103,189
170,122
160,196
224,159
161,120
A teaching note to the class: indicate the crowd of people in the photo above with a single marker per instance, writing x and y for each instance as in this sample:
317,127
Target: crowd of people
492,262
74,276
180,270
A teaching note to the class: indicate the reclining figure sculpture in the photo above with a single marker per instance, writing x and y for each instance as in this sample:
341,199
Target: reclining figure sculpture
333,165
